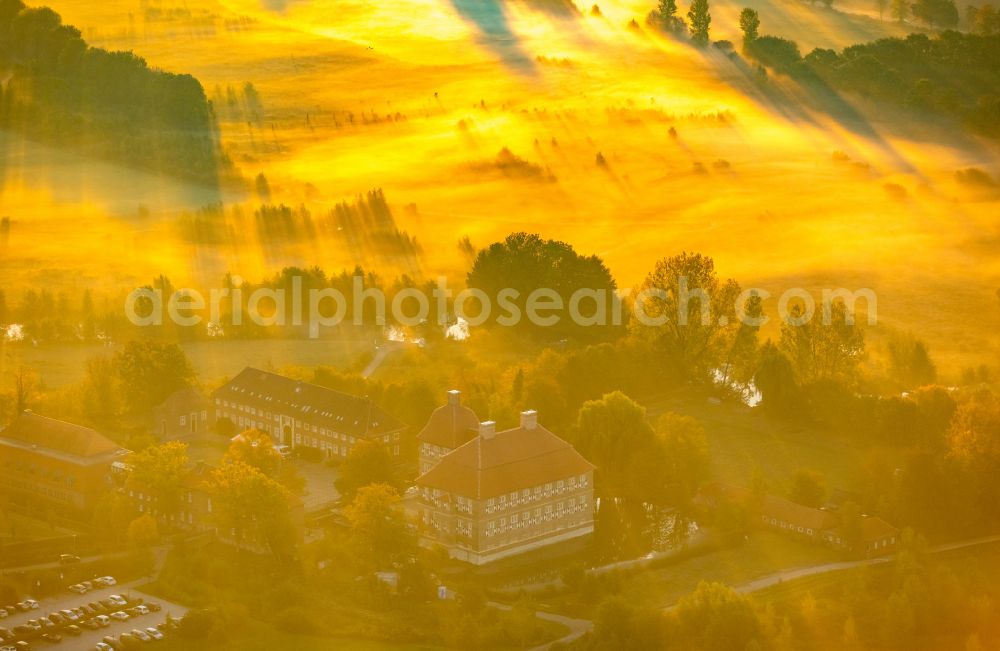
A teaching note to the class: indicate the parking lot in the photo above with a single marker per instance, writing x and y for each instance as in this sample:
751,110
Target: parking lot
88,640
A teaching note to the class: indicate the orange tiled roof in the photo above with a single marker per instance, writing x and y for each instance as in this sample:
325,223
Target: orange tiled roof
58,436
450,426
507,461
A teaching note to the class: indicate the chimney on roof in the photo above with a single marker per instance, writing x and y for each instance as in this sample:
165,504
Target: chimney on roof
529,419
454,398
488,429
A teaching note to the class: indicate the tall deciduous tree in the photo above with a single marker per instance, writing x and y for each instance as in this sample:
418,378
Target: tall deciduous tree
378,528
689,316
252,506
160,470
699,21
368,463
819,350
749,24
150,371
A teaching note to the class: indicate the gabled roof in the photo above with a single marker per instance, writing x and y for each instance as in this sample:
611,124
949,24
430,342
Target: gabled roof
450,426
489,466
309,403
798,515
875,528
48,434
183,399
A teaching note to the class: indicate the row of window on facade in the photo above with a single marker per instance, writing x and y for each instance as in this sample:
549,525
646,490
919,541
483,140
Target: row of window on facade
464,504
183,420
784,525
520,520
21,485
34,469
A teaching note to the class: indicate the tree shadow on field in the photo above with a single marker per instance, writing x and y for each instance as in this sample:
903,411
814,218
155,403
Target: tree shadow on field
495,32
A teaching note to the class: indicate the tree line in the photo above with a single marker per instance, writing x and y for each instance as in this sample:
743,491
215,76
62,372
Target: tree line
112,104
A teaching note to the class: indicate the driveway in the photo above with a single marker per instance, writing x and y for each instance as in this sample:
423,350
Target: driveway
320,491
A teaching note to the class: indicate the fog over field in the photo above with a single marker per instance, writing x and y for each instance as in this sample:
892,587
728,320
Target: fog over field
477,119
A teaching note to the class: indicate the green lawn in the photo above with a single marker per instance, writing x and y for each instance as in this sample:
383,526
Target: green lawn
663,583
740,439
259,637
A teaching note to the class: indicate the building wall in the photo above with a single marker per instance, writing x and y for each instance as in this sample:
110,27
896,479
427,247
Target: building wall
34,479
532,517
288,429
430,455
181,421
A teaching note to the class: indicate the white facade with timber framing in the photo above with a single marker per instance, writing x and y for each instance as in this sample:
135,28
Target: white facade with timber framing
300,414
506,493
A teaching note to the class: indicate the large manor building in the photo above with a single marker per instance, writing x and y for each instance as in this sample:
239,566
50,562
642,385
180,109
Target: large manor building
300,414
496,494
48,465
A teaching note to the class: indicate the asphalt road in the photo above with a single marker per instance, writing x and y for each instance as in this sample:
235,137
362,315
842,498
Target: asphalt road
89,639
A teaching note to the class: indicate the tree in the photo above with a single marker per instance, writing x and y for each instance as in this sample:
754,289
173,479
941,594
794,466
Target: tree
378,529
974,441
822,351
665,16
808,488
715,618
368,463
750,24
936,13
900,9
775,379
150,371
100,392
25,388
685,450
699,21
252,506
160,470
615,435
910,363
256,449
143,532
524,263
690,316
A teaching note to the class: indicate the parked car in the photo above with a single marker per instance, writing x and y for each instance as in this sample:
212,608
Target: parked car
103,620
120,615
87,610
68,559
153,606
117,600
23,629
56,619
21,645
141,634
69,614
4,614
127,640
96,606
91,625
7,648
103,646
106,603
73,630
77,588
106,580
54,638
45,622
33,624
154,633
143,609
